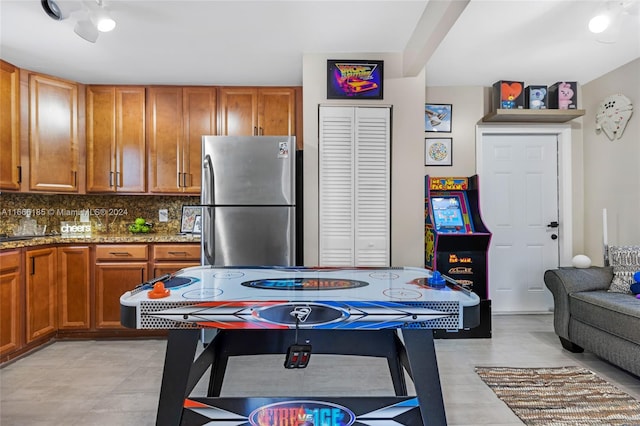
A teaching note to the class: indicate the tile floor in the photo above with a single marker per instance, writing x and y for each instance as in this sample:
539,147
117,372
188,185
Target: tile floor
116,382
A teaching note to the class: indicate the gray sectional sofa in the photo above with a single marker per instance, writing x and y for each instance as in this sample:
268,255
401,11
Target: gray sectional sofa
588,317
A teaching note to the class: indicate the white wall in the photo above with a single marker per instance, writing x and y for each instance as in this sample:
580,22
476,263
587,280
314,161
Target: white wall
468,107
406,96
470,104
605,174
612,168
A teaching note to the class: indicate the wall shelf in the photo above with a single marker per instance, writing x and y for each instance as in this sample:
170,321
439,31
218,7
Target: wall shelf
532,115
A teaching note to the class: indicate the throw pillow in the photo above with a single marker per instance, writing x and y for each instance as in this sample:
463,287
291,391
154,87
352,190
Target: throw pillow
625,261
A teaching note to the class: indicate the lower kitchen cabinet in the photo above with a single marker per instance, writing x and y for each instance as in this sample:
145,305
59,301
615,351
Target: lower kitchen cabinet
73,291
74,288
169,258
11,316
119,268
41,293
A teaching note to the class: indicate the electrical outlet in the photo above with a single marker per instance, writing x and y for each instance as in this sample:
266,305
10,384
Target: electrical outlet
163,215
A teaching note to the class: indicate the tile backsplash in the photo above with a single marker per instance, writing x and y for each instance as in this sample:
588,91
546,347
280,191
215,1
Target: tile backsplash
109,214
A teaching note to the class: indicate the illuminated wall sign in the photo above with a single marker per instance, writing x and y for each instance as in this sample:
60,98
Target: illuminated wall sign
75,229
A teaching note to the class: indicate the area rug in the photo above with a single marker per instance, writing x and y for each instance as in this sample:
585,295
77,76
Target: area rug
566,396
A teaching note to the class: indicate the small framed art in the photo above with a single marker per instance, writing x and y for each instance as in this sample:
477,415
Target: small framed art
349,79
197,225
438,152
437,117
191,219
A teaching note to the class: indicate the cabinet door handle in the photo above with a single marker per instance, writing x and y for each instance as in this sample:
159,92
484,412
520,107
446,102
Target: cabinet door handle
110,179
75,178
178,253
33,266
19,174
119,179
255,131
120,253
261,131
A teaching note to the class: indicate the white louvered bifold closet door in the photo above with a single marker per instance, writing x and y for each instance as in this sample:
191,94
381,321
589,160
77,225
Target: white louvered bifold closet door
354,180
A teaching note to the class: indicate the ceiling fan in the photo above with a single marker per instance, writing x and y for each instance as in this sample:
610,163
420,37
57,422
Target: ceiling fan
92,16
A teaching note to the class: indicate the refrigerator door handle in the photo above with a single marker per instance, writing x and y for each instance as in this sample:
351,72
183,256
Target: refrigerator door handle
208,239
207,181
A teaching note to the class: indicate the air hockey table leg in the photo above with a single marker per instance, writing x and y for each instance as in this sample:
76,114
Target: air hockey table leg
423,369
181,350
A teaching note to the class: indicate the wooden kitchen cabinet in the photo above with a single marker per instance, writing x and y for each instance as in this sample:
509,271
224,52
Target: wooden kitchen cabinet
74,288
169,258
118,269
177,119
10,168
11,316
116,154
53,135
253,111
41,293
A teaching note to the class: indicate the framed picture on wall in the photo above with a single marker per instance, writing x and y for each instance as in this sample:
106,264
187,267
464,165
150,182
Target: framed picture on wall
191,217
197,225
438,152
354,79
437,117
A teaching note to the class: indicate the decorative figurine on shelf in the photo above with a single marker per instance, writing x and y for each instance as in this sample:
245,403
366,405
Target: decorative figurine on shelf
510,92
537,97
565,96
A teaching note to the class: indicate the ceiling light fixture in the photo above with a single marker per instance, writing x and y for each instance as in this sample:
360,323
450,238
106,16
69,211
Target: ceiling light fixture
102,19
60,9
609,18
92,16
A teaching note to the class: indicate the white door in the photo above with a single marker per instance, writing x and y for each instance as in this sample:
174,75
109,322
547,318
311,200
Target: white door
519,201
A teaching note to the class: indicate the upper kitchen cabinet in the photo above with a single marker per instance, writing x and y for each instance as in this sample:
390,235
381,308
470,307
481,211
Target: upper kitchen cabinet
53,135
177,119
116,153
268,111
10,170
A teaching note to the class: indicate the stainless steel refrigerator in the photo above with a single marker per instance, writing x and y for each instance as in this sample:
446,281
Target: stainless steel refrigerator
248,201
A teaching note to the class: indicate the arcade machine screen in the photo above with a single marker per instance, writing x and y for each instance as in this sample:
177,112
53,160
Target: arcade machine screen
447,215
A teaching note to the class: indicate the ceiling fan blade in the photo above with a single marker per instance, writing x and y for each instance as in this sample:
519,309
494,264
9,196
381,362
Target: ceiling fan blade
86,30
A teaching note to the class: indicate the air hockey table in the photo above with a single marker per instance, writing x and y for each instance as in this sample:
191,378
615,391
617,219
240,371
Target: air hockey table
297,312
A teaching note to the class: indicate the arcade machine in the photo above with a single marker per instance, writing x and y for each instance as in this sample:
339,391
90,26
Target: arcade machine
457,242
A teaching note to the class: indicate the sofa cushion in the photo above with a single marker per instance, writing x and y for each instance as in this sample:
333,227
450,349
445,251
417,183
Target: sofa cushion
614,313
625,261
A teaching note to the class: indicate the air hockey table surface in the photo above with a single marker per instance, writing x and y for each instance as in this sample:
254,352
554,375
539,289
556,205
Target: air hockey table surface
281,297
374,312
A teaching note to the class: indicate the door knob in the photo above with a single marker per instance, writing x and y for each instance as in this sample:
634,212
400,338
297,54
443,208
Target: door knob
553,224
554,236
